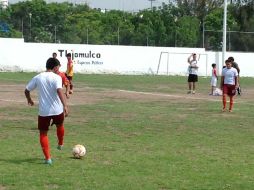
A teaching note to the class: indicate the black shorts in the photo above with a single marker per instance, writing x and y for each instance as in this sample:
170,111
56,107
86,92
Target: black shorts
193,78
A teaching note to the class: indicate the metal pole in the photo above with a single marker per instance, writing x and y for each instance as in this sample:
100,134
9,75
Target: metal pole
30,32
224,45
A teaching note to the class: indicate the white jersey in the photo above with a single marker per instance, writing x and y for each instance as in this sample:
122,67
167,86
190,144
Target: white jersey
229,75
193,71
47,84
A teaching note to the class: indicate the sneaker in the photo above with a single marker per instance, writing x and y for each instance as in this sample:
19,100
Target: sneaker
193,92
189,92
223,109
60,147
230,110
71,92
49,162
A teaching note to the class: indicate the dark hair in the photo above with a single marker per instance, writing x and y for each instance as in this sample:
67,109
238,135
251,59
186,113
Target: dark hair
51,63
54,53
231,59
228,61
213,65
68,55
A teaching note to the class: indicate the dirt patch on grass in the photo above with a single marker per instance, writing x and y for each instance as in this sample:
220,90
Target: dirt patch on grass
12,95
2,187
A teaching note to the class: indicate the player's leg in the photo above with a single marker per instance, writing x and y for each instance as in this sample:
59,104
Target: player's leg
45,146
231,94
224,97
60,136
71,84
194,88
195,80
59,121
189,83
43,125
231,103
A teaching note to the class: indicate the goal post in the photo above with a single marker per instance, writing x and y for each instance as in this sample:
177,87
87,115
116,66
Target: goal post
175,63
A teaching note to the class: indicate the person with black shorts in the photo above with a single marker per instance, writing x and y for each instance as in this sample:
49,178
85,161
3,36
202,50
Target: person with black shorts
193,73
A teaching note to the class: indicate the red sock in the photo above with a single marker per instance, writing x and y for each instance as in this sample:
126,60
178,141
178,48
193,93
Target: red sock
60,134
45,145
231,103
224,100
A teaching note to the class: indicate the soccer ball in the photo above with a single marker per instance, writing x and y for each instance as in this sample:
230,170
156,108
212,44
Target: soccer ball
78,151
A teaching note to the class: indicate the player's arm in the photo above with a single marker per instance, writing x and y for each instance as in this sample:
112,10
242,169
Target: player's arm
222,82
63,100
236,82
189,59
28,97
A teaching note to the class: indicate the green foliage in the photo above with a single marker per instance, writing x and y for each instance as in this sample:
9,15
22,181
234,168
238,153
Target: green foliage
179,23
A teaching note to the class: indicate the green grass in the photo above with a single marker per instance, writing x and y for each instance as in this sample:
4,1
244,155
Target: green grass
146,144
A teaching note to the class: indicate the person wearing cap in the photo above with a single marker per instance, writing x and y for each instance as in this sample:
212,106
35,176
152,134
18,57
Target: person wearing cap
193,73
52,105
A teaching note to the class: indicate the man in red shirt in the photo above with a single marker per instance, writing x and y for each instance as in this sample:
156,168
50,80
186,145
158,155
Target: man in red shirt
65,81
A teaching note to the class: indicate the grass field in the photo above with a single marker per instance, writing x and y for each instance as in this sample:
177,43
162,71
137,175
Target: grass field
141,133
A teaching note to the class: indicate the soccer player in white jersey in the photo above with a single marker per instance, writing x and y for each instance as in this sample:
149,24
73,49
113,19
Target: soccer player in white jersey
229,84
52,105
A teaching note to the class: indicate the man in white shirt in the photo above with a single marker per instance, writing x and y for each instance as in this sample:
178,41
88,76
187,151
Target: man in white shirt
52,105
193,73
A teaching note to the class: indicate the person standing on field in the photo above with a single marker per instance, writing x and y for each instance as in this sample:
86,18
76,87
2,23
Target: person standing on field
52,105
193,73
229,84
213,79
236,66
69,71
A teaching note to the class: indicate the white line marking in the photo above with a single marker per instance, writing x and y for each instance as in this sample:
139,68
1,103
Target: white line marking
171,95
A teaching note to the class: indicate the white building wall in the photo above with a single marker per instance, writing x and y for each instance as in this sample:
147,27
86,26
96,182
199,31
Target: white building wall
16,55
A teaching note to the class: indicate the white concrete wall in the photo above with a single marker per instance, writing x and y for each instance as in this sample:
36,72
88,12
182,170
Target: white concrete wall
31,57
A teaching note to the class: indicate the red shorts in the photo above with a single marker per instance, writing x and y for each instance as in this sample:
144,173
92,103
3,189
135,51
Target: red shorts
44,121
229,89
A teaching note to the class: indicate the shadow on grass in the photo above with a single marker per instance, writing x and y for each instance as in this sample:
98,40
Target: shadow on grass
22,161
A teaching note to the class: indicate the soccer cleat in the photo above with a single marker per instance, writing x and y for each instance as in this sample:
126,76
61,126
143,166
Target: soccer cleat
60,147
230,110
49,162
223,109
189,92
193,92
